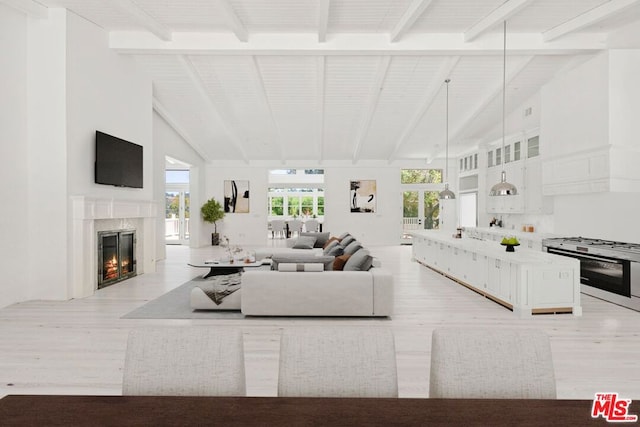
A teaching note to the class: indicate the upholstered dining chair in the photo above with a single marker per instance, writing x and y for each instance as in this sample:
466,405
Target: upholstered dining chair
337,362
311,225
295,226
493,363
187,361
278,228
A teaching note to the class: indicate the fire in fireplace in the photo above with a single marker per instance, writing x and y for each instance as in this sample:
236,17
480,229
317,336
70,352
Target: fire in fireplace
116,256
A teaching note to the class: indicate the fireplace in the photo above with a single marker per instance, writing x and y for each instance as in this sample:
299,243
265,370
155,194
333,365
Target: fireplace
116,256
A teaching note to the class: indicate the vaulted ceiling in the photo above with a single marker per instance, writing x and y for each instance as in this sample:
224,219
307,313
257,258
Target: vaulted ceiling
354,80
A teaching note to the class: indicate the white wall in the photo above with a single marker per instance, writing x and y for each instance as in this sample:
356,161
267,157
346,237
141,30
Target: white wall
13,149
383,227
166,142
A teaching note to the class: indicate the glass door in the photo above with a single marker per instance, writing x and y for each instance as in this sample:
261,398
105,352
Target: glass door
420,210
177,213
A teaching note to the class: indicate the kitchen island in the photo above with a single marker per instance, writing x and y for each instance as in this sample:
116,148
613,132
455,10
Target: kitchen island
525,281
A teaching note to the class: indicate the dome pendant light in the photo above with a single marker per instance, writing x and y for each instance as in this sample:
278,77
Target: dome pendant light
503,188
447,194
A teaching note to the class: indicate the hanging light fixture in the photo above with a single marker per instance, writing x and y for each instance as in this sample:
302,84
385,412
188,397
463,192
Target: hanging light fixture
503,188
447,194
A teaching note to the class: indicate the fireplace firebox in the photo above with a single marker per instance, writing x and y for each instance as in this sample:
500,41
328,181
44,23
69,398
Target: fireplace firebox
116,256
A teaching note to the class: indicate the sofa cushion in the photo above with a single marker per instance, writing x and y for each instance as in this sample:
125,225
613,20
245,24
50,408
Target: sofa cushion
304,242
292,267
335,250
330,240
361,260
321,238
331,244
352,247
343,235
347,241
302,259
340,261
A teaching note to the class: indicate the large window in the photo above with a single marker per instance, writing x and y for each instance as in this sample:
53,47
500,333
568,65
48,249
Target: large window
421,176
296,202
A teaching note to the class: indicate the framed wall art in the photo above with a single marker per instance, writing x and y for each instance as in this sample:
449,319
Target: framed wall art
236,196
363,196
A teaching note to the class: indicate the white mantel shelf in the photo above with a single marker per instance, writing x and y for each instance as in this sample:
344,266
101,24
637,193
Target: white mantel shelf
89,215
526,281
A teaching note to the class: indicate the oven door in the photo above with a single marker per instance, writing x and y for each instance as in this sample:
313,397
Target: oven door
604,273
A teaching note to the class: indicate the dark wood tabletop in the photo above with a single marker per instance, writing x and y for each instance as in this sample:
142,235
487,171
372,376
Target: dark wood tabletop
47,410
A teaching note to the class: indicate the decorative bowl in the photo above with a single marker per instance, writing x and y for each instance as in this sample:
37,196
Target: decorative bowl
510,246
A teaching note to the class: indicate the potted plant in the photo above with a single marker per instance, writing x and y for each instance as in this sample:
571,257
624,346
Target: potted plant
212,212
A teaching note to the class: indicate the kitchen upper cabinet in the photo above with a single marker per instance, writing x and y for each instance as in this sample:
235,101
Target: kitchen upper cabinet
506,204
534,200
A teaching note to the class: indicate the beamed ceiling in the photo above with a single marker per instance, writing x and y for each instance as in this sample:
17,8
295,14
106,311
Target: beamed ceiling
348,80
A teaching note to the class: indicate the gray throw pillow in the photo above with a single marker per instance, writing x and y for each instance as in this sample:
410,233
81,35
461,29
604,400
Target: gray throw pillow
346,241
335,250
331,245
304,242
321,238
343,235
361,260
352,247
302,259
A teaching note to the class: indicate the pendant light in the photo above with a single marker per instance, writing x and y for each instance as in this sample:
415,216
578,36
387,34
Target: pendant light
447,194
503,188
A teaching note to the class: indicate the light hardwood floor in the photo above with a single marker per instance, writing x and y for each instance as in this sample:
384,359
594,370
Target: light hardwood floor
78,346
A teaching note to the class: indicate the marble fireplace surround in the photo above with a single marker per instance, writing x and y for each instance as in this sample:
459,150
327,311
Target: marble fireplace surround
91,215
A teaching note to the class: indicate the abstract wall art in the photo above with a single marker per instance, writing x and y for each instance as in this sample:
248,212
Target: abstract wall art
236,196
363,196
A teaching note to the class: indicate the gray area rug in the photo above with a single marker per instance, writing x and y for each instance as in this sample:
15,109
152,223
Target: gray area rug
175,304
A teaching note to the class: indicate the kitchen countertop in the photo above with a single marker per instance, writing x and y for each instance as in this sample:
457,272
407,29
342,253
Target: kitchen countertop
511,232
496,250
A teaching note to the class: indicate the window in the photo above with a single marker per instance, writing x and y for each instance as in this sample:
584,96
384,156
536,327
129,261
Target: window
498,156
276,206
490,159
304,202
466,165
516,151
421,176
475,161
533,147
507,153
461,164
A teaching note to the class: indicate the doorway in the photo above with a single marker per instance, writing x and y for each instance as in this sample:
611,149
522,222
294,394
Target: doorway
177,207
420,211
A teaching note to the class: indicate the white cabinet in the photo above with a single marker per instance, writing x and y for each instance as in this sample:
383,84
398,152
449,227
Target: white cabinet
525,281
534,201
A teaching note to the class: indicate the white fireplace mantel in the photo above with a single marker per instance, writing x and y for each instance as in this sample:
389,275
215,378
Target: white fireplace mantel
87,215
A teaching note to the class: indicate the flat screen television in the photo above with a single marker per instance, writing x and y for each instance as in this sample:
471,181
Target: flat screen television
118,162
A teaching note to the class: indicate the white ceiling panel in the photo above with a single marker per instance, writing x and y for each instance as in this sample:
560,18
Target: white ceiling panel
349,80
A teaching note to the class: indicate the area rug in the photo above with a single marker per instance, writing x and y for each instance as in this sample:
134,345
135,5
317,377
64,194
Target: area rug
175,304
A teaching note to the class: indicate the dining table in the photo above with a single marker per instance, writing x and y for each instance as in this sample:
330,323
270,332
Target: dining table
69,410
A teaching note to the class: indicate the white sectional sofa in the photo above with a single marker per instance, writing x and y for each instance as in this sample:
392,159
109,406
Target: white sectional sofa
326,293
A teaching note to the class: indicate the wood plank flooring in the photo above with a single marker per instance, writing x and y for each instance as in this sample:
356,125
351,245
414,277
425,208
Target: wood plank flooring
78,346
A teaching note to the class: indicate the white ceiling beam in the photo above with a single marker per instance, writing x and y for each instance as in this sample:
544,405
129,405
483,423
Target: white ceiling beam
413,12
128,42
436,83
490,96
223,112
30,7
502,13
262,93
164,113
372,105
321,83
233,21
591,17
323,19
143,18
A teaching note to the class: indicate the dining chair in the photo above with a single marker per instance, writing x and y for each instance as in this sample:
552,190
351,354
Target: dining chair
277,228
187,361
311,225
337,362
295,226
491,363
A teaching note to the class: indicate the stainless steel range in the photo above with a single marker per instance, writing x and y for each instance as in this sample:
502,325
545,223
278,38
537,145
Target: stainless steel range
608,270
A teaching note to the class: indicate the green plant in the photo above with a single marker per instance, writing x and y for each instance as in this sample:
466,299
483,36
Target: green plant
212,212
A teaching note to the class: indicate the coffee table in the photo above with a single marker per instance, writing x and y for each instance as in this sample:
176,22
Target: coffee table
225,267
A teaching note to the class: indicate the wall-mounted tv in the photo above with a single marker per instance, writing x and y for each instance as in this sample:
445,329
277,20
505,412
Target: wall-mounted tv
118,162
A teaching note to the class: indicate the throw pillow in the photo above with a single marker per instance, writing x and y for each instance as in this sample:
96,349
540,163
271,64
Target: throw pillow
352,247
302,259
347,240
335,250
343,235
359,261
340,261
321,238
329,246
304,242
331,240
292,267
